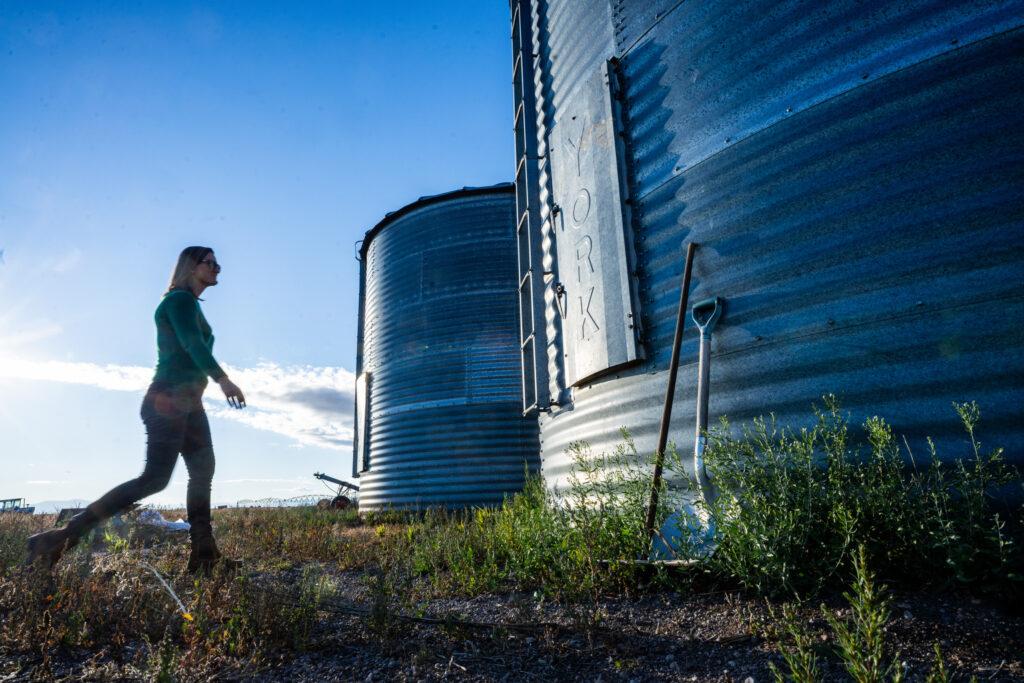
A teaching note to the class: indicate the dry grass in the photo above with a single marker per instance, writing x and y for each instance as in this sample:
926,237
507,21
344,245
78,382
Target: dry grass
14,530
104,597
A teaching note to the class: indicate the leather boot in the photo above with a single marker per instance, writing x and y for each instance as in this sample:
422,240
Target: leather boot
205,556
48,546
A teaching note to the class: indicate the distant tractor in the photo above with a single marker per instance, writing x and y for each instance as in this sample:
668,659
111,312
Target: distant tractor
340,501
16,505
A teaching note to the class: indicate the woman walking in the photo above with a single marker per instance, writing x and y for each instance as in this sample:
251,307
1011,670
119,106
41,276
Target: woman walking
172,411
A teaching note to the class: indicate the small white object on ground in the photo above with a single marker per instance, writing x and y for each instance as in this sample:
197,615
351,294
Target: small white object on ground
154,518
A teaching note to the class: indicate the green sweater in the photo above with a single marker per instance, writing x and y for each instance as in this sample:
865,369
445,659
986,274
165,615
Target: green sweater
184,341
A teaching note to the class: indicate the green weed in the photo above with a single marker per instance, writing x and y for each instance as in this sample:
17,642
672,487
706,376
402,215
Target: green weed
795,504
389,583
797,646
164,661
564,544
861,640
938,674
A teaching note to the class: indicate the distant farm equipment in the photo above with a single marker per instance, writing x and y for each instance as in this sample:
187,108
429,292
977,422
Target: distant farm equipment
16,505
340,501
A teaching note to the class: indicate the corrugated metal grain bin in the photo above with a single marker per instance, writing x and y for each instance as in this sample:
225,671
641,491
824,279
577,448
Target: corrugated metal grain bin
853,172
438,416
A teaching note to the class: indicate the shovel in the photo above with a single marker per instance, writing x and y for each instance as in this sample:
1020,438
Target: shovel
705,316
691,526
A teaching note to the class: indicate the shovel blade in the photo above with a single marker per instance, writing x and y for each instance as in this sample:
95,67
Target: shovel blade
688,533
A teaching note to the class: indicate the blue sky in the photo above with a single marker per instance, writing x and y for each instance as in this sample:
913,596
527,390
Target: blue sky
276,133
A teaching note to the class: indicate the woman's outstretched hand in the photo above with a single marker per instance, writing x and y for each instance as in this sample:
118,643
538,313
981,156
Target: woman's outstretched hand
236,399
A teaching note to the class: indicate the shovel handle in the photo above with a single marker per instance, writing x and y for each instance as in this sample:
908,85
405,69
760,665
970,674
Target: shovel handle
666,414
706,313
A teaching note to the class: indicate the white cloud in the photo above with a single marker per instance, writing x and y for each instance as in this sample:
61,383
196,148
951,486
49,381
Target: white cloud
113,377
311,405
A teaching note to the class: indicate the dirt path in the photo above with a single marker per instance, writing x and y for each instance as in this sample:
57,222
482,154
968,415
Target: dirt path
720,636
713,637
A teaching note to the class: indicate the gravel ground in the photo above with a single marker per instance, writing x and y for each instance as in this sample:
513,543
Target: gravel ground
670,637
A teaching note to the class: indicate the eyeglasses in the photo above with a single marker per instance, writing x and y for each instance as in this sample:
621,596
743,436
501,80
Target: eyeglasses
212,264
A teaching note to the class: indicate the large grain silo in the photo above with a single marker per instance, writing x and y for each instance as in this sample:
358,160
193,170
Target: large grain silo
439,421
852,171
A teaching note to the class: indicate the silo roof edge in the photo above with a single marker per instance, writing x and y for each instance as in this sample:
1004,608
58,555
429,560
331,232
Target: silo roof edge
391,216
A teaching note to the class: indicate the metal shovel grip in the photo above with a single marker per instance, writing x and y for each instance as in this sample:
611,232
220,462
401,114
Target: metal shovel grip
706,313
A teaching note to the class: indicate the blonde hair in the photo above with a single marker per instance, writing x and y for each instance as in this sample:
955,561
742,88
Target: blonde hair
188,261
